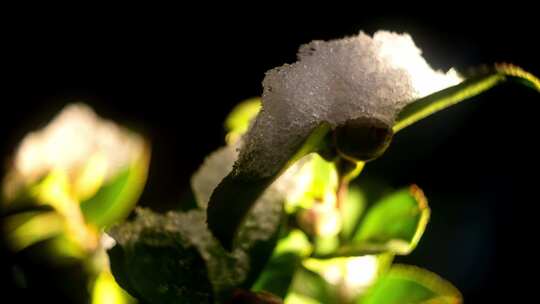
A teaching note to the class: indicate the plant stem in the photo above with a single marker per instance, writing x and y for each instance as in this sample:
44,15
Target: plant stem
347,171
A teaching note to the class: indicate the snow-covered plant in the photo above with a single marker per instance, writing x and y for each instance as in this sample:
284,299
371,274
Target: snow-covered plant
277,218
68,182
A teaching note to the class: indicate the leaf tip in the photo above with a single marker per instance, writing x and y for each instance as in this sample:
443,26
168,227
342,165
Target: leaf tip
419,196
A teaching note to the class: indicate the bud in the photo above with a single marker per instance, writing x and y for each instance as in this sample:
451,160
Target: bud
363,138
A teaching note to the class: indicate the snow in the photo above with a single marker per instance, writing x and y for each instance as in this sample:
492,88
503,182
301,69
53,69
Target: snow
335,81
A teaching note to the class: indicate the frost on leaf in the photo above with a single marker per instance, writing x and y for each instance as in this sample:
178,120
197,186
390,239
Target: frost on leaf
215,167
336,81
263,219
178,240
72,140
188,238
354,87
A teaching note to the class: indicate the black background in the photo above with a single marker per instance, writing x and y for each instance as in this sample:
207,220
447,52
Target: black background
174,76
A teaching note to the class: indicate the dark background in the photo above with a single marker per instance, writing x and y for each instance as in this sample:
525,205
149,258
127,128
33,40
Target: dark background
175,76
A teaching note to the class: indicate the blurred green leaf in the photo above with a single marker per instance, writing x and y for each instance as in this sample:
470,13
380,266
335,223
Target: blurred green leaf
107,291
237,122
481,81
309,287
294,242
278,274
60,222
325,179
321,179
294,298
115,200
238,191
351,210
412,285
26,228
325,245
343,278
241,296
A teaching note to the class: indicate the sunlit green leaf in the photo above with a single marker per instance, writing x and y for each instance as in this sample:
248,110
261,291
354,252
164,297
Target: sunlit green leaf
241,190
344,278
315,206
309,287
107,291
325,245
238,120
294,298
61,220
412,285
474,85
278,274
79,160
294,242
394,224
115,200
24,229
325,179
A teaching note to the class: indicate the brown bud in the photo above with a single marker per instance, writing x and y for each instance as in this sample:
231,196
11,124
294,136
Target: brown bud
363,139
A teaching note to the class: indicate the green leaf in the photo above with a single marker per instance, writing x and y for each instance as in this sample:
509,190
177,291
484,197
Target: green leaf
315,181
278,274
351,211
409,284
239,190
237,122
309,287
27,228
294,298
341,279
394,224
241,296
106,290
474,85
325,245
114,201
